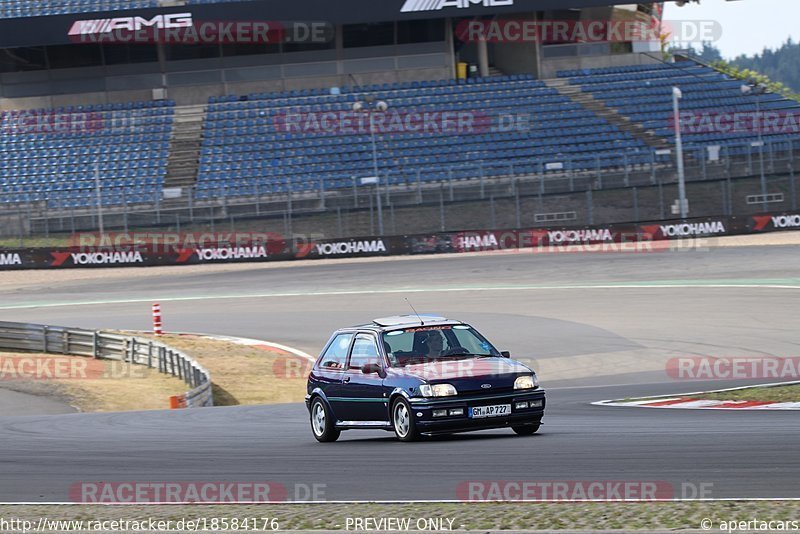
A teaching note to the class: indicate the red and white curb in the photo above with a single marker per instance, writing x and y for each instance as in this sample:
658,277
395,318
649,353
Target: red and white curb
284,350
689,401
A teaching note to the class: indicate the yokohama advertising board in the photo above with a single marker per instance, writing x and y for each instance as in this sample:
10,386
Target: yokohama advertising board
187,249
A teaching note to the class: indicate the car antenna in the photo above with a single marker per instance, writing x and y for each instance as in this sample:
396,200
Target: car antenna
415,312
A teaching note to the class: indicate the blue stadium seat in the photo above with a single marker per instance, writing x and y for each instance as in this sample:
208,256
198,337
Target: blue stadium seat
128,142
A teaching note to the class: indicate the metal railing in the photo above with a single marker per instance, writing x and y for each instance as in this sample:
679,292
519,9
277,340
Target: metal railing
108,346
469,181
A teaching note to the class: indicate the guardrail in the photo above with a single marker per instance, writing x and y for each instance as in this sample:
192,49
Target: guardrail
108,346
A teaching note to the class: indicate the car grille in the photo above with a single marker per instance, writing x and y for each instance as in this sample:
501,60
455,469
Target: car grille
493,392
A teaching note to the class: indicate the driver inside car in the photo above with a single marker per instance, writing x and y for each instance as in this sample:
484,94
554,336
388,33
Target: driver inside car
432,344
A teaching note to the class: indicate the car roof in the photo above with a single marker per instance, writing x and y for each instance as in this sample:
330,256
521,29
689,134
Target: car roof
394,322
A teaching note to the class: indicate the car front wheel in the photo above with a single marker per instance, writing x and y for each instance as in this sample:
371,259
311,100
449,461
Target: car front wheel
405,428
526,430
322,424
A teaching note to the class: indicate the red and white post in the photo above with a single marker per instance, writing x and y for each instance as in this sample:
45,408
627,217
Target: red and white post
157,319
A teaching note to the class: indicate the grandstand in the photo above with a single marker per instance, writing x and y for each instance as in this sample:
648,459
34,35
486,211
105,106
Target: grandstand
126,144
241,148
643,94
202,123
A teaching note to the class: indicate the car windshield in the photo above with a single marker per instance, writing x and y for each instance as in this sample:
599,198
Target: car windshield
430,343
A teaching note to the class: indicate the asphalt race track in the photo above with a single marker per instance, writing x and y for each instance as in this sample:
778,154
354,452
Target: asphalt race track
596,326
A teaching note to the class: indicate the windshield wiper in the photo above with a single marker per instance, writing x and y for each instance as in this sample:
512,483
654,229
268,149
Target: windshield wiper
469,355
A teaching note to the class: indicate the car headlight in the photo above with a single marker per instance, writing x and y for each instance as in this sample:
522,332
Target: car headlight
439,390
526,382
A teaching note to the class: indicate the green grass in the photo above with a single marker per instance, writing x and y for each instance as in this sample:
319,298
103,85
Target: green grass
765,394
36,242
789,393
645,517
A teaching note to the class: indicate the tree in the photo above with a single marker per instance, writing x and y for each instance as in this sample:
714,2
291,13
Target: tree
709,53
781,65
778,69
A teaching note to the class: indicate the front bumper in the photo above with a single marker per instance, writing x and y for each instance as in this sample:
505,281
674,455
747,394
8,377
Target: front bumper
422,410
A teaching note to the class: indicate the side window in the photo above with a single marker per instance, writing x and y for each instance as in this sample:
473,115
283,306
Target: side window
336,354
398,341
364,351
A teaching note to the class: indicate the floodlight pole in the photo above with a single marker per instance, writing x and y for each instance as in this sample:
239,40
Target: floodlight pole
379,106
378,196
99,197
764,205
758,90
676,96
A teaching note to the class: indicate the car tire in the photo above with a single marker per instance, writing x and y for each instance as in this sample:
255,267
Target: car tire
526,430
322,424
405,427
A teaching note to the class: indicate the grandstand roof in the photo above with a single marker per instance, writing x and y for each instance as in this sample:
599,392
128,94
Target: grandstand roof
46,22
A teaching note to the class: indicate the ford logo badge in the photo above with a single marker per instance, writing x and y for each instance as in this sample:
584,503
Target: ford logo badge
486,386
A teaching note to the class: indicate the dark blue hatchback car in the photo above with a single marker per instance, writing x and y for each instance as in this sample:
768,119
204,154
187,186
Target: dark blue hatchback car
419,374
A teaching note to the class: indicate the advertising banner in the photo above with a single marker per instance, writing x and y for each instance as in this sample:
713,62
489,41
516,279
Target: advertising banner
153,249
63,28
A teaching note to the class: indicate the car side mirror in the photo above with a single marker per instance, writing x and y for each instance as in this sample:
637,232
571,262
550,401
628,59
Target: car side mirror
370,368
505,354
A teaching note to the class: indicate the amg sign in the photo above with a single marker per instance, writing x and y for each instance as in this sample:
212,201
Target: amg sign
437,5
100,26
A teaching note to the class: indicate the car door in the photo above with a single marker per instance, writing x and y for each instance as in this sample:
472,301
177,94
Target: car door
366,402
330,371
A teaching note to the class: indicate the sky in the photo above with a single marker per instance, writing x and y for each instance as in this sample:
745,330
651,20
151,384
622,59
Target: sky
747,26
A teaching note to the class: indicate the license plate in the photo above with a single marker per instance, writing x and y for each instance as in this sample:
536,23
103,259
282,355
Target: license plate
490,411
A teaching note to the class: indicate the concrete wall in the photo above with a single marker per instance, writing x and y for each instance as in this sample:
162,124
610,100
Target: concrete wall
633,204
517,58
192,82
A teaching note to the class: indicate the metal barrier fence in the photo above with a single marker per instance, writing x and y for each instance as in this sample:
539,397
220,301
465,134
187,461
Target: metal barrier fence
515,180
107,346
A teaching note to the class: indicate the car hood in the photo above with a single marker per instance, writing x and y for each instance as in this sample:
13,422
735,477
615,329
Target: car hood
469,374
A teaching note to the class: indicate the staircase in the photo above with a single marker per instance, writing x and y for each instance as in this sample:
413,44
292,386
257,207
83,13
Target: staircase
184,153
494,71
574,93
